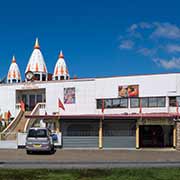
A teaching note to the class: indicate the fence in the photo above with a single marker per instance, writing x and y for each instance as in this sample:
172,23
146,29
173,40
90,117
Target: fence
10,143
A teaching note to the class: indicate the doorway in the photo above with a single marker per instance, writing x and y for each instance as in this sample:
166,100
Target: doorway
156,136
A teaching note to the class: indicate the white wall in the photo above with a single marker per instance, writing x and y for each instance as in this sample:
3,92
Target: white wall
149,85
7,99
85,97
88,90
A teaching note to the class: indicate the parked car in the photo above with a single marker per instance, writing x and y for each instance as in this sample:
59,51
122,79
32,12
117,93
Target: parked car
39,139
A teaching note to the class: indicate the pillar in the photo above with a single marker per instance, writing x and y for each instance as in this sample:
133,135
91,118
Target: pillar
57,125
178,135
137,136
174,136
100,134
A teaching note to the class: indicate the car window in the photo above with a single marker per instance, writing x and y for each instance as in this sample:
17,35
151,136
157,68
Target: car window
37,133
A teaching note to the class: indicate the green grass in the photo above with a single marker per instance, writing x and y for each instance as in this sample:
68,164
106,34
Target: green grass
96,174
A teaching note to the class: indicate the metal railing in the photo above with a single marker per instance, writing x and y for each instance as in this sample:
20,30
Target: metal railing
9,129
13,136
35,111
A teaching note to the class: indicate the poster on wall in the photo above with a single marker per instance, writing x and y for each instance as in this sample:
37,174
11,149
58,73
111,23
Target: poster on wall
128,91
69,96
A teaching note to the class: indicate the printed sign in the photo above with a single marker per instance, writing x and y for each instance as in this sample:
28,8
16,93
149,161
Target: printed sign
128,91
69,96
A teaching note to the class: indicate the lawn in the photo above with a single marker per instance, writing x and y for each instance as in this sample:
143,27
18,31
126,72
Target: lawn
96,174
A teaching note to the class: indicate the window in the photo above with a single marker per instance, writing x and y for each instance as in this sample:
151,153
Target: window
14,81
116,103
161,102
37,133
144,102
43,77
124,103
112,103
134,102
108,103
61,77
152,102
39,98
178,100
99,103
157,102
172,101
37,77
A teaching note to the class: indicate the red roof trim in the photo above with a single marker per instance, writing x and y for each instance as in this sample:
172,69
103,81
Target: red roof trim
106,116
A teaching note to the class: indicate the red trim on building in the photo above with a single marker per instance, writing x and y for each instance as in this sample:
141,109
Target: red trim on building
106,116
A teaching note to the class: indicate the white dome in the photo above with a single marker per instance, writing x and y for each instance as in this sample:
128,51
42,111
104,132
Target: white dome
60,69
13,73
36,61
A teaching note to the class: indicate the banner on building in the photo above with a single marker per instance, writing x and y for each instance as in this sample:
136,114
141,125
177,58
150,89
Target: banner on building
128,91
69,96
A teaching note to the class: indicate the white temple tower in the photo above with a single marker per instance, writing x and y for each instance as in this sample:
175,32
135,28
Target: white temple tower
60,70
14,75
37,64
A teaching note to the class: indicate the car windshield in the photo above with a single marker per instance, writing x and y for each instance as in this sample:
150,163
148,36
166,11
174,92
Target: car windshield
37,133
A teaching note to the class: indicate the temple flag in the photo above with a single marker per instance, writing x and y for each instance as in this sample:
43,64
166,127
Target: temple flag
60,104
102,105
8,114
140,106
177,107
22,105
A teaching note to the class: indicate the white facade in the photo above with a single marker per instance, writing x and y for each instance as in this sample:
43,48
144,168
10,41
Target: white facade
88,90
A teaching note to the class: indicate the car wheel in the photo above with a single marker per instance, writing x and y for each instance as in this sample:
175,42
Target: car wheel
28,152
52,150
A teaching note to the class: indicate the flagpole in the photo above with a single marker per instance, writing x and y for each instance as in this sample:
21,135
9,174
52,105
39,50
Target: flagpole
177,109
101,127
60,105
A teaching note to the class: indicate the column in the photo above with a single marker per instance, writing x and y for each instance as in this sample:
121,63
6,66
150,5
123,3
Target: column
174,136
178,135
137,136
57,125
100,134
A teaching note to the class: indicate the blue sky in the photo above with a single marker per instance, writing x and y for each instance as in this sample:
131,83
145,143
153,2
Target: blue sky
98,38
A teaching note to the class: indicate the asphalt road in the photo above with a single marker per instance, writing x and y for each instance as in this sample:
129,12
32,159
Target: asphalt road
68,159
85,165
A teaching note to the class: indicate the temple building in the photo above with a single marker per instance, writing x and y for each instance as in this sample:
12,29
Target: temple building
134,111
14,75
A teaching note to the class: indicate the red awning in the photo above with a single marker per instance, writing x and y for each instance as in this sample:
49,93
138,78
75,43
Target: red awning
106,116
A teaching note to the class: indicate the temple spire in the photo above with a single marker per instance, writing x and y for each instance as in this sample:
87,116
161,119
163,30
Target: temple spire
13,59
61,54
60,69
14,75
36,46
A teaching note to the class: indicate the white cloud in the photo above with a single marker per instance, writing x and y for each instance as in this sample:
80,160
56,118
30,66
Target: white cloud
126,44
147,52
145,25
173,63
162,37
158,29
173,48
133,27
166,30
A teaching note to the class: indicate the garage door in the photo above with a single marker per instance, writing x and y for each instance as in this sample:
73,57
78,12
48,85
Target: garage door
119,134
80,134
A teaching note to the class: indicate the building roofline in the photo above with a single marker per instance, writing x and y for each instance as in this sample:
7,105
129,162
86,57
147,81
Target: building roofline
89,79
